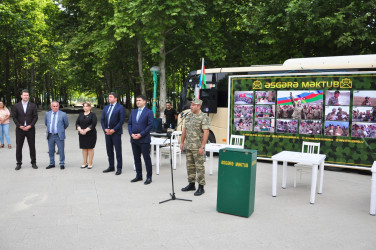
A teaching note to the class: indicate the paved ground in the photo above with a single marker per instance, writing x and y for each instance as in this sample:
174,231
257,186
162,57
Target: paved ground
86,209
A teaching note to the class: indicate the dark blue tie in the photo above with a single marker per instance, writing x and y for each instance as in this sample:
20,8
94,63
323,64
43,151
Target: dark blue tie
108,116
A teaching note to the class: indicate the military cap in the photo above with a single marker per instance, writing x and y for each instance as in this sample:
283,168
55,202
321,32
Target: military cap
196,101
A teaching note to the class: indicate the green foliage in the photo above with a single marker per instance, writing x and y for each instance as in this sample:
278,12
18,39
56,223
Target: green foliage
300,28
67,46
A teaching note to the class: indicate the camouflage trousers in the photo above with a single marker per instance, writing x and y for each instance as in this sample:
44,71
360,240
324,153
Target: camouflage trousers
195,164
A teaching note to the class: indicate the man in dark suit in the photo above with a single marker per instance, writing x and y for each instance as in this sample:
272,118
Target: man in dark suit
25,115
112,120
139,126
56,122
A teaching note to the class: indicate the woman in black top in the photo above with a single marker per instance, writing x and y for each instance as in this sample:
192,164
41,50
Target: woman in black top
87,134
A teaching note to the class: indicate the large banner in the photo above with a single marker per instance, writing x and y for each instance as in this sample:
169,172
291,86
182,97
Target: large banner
278,112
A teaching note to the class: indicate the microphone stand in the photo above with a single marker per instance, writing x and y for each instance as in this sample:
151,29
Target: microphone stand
169,136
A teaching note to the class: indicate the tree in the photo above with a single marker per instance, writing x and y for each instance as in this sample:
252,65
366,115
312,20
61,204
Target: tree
157,22
299,28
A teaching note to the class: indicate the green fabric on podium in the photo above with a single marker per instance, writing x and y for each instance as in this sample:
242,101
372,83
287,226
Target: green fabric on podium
236,181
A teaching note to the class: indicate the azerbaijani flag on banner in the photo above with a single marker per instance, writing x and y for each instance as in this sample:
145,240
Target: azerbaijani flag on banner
202,84
246,96
305,97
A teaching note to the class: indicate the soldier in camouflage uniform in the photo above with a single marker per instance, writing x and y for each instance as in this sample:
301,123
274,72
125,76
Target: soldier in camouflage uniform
366,102
297,108
316,129
329,130
195,135
285,112
338,131
334,99
331,116
372,132
304,128
340,114
316,113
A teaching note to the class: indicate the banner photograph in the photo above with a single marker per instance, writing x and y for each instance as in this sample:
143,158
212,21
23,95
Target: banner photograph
277,113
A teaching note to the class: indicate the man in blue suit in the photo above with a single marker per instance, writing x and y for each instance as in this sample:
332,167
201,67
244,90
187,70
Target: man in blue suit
139,126
56,122
112,120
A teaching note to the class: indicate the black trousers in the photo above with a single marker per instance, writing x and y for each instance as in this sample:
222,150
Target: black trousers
20,139
114,141
144,149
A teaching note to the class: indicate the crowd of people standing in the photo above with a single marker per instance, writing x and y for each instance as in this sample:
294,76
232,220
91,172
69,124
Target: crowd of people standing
25,117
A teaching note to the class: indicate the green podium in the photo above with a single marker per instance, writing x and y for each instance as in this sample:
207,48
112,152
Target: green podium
236,181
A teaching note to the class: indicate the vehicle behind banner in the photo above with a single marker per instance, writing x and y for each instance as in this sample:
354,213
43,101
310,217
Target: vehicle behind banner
277,112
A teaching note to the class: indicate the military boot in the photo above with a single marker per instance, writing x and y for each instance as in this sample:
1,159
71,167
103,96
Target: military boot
190,187
200,190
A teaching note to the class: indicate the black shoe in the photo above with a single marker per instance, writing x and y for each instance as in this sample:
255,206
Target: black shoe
62,167
18,167
200,190
118,172
137,179
190,187
148,181
34,166
50,166
108,170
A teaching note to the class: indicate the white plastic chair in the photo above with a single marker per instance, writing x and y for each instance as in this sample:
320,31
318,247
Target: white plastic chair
237,140
175,148
310,148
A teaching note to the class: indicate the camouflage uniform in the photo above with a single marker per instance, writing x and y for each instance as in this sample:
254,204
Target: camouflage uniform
194,125
372,133
338,131
340,113
316,114
330,116
333,101
297,114
357,132
304,130
366,103
329,131
285,113
316,129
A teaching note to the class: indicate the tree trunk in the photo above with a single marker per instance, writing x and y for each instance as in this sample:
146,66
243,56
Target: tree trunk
15,73
32,73
27,80
7,80
173,89
128,89
162,88
99,92
48,90
140,68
